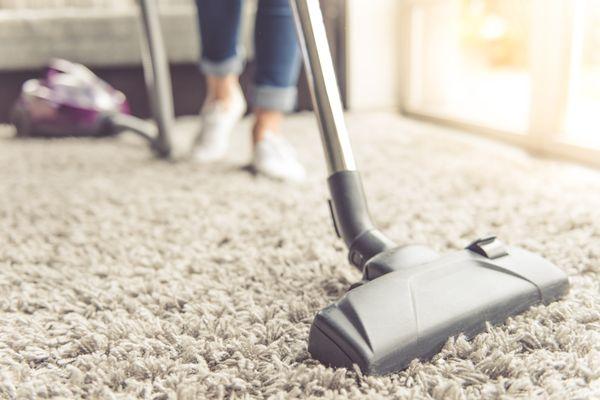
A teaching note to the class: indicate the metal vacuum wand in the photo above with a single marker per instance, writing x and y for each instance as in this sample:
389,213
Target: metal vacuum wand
323,85
348,203
157,76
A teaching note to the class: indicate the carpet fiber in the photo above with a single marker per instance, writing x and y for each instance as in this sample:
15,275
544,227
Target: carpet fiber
122,276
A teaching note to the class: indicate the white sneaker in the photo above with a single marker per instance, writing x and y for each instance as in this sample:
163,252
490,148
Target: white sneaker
275,158
218,121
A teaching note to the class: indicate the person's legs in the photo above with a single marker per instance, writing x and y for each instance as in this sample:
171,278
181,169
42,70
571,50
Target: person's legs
222,62
277,68
222,59
277,64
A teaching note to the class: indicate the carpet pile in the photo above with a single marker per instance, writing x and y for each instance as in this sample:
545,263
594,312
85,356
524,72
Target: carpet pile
127,277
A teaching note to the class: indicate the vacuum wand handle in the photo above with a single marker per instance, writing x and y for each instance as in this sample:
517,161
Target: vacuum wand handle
323,85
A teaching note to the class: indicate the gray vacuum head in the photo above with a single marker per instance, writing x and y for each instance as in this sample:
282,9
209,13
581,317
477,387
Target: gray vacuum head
406,309
411,300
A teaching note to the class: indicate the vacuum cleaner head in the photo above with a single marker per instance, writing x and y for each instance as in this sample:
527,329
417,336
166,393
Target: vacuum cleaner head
406,309
68,100
410,300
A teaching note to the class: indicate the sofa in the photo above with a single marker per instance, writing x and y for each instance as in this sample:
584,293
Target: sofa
100,33
104,35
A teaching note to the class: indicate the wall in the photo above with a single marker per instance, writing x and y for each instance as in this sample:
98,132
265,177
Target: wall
373,46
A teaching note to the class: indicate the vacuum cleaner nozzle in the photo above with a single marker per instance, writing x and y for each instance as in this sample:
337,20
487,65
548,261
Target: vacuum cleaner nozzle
412,309
410,300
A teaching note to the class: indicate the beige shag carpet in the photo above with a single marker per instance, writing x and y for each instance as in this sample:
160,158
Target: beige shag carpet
126,277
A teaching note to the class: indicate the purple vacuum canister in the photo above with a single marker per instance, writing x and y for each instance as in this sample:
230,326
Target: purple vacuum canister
68,100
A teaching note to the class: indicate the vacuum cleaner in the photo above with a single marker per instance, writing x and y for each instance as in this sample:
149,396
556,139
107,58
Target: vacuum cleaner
410,299
70,100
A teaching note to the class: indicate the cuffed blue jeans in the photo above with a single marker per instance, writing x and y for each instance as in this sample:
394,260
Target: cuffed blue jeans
277,54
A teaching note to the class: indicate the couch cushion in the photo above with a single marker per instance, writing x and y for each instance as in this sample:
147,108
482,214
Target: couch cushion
41,4
95,32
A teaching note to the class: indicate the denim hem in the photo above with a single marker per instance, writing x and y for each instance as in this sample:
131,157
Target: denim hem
230,66
274,98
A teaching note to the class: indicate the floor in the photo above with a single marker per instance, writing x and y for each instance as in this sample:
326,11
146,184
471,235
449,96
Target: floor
122,276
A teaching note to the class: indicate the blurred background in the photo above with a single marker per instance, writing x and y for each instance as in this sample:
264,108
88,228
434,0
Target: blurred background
521,71
527,71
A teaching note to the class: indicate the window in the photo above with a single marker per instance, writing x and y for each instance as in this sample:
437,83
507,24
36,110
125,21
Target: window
582,125
524,70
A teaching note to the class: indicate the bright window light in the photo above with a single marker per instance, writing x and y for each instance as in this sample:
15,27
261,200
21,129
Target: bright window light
582,125
527,71
475,61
